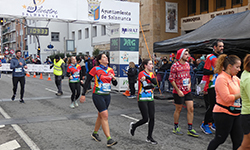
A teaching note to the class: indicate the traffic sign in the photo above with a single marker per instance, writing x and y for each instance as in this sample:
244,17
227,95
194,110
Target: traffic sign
6,52
12,51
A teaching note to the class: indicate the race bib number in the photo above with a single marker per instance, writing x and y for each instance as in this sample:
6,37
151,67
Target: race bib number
106,87
185,82
237,102
18,69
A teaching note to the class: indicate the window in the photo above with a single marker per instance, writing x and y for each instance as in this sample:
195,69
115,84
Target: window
191,7
79,34
220,3
73,35
86,33
235,2
34,39
103,30
204,5
54,36
94,32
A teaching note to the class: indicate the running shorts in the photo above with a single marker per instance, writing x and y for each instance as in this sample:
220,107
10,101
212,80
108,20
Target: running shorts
101,101
181,100
245,123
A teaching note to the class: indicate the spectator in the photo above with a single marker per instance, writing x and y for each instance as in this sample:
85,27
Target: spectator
201,64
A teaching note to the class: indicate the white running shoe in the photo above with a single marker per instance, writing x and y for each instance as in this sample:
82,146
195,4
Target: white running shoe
76,104
72,105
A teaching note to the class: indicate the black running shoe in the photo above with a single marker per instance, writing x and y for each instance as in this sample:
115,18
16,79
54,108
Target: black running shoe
21,101
13,97
151,140
111,142
96,137
131,129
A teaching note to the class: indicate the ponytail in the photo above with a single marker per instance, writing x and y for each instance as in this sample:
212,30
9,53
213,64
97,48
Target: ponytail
223,61
142,66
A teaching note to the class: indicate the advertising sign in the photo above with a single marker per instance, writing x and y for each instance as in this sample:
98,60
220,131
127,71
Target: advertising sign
124,30
126,57
114,57
114,44
129,44
105,11
171,17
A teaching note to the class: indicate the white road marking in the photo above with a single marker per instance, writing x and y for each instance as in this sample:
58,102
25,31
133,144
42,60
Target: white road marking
21,133
130,118
2,126
11,145
50,90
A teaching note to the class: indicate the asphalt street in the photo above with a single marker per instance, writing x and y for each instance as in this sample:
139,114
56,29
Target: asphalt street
46,121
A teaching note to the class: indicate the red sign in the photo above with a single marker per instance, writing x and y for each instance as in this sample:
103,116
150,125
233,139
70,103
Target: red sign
6,52
12,51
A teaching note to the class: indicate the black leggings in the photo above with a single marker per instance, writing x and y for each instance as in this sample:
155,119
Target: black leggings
147,109
225,125
132,88
75,89
15,83
212,101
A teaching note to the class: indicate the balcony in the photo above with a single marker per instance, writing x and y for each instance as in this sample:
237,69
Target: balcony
5,40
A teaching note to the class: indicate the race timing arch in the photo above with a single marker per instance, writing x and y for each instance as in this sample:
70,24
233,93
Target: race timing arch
122,16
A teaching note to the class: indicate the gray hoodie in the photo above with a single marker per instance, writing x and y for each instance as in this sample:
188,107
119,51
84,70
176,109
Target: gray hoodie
18,70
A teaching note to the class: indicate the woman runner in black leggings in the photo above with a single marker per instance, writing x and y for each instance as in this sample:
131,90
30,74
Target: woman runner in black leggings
146,99
74,74
103,76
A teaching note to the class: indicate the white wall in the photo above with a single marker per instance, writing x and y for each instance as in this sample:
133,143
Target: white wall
82,45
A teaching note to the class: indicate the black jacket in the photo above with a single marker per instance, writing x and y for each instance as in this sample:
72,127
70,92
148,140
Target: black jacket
132,75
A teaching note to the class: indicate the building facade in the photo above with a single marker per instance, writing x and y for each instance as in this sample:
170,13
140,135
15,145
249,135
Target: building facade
14,36
166,19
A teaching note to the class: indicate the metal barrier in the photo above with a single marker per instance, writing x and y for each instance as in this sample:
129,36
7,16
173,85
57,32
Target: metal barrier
166,86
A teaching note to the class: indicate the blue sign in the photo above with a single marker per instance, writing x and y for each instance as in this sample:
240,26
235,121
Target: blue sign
120,70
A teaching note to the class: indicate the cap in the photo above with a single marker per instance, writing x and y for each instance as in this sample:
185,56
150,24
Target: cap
180,53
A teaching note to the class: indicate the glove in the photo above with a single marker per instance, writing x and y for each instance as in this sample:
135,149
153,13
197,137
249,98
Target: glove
62,77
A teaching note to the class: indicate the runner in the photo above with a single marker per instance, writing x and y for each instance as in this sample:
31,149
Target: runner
146,99
227,110
18,74
59,69
180,79
103,76
74,74
245,112
210,63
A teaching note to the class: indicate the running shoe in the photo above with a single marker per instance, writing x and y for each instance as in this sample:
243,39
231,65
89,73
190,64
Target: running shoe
13,97
72,105
111,142
177,131
21,101
205,128
213,127
96,137
131,130
58,94
131,96
151,140
76,104
192,133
